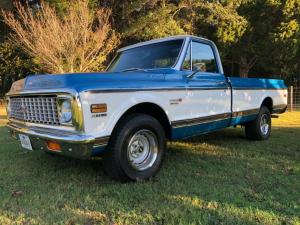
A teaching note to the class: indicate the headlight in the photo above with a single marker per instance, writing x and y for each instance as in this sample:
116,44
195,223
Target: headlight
65,111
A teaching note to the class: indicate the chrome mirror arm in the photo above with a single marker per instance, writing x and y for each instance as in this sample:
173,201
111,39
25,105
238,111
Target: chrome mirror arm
192,74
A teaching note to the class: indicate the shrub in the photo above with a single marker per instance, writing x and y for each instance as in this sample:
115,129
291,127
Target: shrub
15,64
77,41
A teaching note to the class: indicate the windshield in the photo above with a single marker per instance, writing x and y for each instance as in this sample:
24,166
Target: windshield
157,55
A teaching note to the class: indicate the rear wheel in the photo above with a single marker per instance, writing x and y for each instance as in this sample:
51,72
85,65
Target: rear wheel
260,128
136,148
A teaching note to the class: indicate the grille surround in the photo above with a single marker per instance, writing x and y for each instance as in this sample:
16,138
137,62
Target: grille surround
35,109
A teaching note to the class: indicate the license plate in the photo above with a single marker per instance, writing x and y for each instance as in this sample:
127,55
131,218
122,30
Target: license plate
25,141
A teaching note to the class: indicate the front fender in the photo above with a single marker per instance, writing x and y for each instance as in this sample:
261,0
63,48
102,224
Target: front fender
117,105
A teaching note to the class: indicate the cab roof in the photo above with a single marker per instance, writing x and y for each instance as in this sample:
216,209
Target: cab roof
177,37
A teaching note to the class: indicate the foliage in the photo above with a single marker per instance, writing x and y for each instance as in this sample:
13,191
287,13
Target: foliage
219,178
78,41
15,64
156,23
287,42
249,33
260,38
6,4
201,18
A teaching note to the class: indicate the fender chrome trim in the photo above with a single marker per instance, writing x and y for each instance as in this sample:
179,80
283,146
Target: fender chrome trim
213,118
200,120
248,112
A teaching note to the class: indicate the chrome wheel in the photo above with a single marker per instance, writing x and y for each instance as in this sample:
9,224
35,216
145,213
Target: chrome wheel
142,150
264,124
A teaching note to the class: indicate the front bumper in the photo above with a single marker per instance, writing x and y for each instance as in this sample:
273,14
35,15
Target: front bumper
72,144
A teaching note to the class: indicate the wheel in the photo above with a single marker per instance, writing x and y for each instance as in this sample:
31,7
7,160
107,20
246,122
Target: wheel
260,128
136,149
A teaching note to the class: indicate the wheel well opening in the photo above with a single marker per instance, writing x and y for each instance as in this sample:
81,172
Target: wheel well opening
152,110
268,102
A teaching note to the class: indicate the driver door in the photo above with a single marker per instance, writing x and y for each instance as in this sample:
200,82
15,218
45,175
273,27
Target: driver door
208,93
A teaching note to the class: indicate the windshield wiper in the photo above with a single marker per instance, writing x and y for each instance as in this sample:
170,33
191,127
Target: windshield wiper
133,69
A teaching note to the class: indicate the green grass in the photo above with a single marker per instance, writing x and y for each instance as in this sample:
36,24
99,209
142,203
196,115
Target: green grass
220,178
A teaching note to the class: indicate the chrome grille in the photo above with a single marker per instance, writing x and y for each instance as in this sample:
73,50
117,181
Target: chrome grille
41,109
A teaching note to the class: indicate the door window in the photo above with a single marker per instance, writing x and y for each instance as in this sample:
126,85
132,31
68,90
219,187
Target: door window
203,58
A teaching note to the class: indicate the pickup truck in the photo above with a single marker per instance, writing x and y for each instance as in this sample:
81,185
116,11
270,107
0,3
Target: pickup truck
164,89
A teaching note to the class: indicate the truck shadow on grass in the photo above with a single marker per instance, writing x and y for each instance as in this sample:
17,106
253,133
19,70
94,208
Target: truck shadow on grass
215,178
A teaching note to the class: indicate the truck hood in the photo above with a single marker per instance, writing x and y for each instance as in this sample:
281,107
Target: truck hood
91,81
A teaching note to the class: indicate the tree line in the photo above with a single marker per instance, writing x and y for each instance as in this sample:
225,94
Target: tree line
255,37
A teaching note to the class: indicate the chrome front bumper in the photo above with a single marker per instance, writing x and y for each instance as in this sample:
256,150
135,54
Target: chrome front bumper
72,144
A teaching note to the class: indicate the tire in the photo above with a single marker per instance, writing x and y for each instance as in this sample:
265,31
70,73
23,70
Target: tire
260,128
136,149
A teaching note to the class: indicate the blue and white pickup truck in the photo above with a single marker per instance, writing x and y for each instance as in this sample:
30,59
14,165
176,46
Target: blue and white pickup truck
159,90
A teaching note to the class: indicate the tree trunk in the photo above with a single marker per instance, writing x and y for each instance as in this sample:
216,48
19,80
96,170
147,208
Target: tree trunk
244,70
245,65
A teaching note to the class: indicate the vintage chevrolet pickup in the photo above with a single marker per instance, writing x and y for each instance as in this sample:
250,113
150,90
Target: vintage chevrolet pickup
164,89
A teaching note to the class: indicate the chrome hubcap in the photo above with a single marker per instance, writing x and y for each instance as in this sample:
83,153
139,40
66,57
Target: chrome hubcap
142,150
264,125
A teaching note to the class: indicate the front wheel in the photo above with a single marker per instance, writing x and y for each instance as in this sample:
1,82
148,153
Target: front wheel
260,128
136,148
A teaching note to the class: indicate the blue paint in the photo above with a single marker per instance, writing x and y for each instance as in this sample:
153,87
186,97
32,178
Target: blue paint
249,83
99,81
189,131
242,119
152,78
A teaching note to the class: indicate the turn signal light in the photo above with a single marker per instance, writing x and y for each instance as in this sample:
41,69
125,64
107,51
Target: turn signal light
98,108
53,146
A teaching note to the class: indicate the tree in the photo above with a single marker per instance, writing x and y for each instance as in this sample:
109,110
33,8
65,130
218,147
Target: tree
254,37
156,23
218,21
286,38
14,65
255,44
248,33
77,41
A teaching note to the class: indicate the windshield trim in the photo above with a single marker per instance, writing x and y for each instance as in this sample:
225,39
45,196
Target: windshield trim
183,45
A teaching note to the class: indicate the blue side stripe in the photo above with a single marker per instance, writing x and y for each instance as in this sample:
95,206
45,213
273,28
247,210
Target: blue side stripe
189,131
242,119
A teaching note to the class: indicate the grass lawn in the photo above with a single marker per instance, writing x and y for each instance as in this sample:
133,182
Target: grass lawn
220,178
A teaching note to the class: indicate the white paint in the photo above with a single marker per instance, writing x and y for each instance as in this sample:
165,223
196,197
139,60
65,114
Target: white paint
195,103
252,99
